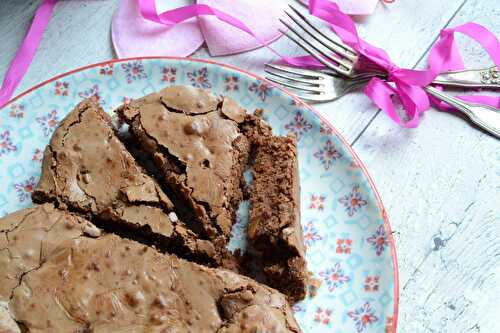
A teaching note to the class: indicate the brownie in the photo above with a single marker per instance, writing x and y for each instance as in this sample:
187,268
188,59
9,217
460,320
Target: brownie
87,169
196,143
274,224
28,236
59,274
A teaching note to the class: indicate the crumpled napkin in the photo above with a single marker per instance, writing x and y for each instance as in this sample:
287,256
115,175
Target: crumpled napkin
135,36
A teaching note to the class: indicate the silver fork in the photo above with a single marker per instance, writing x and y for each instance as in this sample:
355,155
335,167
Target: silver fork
320,87
314,86
342,59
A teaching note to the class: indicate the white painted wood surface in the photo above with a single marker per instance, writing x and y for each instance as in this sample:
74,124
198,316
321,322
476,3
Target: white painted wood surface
440,183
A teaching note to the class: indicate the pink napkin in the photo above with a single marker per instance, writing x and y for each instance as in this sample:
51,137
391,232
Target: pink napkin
260,16
135,36
354,7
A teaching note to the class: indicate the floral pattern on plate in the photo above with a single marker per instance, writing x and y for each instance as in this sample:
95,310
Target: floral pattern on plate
348,245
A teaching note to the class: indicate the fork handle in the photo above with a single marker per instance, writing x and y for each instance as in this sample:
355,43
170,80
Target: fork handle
484,116
474,78
488,78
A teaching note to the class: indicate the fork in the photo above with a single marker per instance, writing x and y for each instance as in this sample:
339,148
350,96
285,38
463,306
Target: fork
316,87
313,85
320,87
342,59
484,116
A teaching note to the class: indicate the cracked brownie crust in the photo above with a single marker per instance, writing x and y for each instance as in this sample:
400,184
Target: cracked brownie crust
56,278
29,236
196,143
87,169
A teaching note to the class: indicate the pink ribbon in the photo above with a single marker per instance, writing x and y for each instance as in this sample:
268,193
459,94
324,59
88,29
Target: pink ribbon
181,14
354,7
406,84
19,65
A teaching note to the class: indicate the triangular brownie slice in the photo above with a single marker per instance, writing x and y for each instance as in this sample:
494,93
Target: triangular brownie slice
54,278
196,143
87,169
274,226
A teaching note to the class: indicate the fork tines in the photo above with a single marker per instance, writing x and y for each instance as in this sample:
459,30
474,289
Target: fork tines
296,78
332,53
307,84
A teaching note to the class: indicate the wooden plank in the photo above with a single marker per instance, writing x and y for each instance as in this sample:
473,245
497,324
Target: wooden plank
440,183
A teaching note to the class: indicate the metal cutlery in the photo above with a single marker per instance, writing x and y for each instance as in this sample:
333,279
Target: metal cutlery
342,59
313,85
334,54
320,87
484,116
470,78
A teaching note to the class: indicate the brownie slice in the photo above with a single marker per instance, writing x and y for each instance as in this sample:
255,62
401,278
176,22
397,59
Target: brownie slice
87,169
274,227
28,236
54,278
196,143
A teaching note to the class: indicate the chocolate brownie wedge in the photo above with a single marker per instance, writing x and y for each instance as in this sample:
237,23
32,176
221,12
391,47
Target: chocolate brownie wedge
274,227
29,236
54,278
87,169
196,143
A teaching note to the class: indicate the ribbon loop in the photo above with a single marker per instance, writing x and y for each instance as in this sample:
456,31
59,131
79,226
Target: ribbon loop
408,83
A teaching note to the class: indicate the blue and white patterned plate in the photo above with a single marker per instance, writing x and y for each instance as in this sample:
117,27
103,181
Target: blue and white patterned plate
349,243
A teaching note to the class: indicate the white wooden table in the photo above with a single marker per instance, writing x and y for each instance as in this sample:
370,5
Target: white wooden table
440,183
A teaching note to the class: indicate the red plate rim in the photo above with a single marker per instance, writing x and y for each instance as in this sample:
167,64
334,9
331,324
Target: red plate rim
387,226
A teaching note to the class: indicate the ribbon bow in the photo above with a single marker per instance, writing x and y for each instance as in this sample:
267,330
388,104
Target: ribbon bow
406,84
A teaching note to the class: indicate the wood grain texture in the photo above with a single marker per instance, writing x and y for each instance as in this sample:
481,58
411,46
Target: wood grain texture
79,34
440,183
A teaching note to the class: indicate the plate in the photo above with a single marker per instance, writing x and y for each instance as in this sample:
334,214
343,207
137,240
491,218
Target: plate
350,249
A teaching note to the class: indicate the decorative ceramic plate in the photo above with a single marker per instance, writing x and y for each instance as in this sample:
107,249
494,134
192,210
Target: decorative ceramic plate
348,238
